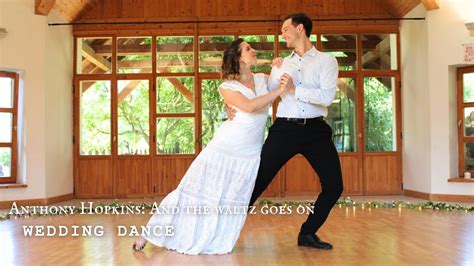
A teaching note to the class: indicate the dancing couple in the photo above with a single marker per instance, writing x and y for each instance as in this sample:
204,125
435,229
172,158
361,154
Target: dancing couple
237,165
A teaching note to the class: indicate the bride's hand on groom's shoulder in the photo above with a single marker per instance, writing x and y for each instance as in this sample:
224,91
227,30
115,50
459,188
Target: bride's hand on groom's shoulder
277,62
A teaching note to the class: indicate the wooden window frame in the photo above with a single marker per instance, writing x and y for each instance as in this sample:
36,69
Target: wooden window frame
13,143
460,114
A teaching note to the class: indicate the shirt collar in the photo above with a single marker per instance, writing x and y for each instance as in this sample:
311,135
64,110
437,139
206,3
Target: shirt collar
311,52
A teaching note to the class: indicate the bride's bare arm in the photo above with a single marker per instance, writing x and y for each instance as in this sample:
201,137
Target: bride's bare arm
238,100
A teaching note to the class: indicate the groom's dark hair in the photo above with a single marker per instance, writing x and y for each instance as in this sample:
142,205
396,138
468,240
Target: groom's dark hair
301,18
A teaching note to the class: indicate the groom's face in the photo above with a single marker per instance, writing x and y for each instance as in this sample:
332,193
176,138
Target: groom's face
290,33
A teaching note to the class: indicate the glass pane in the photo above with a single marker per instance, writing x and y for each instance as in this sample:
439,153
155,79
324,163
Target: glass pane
133,117
379,51
175,135
469,121
211,49
213,111
175,95
6,120
94,55
134,55
5,162
265,46
6,92
342,116
285,51
95,117
468,87
379,114
175,54
469,156
343,47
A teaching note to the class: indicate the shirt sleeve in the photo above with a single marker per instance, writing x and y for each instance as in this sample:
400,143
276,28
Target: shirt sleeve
324,95
274,79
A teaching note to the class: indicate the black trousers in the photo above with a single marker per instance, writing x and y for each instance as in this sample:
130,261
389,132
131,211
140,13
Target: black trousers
314,141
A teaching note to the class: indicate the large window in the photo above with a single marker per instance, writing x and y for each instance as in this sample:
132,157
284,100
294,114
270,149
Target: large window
157,95
465,79
8,126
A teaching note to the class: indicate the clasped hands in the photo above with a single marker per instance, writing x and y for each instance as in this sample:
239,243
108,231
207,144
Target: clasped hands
286,85
286,81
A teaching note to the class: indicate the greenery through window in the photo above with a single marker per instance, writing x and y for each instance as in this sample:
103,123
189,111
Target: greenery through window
95,117
213,111
379,114
211,50
175,135
342,116
175,95
133,117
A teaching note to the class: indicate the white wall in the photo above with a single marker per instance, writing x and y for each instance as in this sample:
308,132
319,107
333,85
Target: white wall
415,106
440,37
59,73
44,56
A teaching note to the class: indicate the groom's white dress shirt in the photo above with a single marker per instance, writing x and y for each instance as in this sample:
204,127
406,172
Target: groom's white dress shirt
314,76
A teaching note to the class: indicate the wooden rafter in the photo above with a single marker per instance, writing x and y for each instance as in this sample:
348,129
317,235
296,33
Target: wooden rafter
72,10
179,86
128,89
399,8
43,7
430,4
382,48
167,49
94,58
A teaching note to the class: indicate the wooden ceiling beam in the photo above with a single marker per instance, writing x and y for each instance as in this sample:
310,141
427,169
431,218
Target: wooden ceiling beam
430,4
342,46
43,7
382,48
97,60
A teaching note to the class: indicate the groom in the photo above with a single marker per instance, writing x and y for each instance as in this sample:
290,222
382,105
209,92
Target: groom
300,126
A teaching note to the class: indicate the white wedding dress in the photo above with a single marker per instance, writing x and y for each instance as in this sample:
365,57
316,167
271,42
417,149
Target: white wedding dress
223,175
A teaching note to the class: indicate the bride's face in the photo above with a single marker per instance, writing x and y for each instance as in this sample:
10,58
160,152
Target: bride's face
248,55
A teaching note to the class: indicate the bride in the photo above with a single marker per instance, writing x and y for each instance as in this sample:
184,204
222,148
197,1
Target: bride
224,173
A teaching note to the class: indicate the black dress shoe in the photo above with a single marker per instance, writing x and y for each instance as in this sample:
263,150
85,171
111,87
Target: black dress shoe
311,240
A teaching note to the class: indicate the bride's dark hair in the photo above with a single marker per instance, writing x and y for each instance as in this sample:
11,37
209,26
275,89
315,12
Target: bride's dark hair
231,60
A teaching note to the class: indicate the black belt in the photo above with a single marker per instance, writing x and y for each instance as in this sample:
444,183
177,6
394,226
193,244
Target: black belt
303,121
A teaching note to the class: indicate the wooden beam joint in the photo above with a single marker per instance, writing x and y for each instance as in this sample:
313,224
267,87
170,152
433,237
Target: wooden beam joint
430,4
43,7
